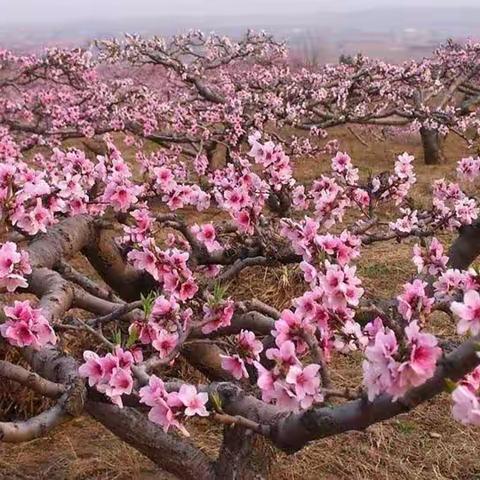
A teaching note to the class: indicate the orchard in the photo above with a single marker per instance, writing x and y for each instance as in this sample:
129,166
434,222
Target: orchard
139,181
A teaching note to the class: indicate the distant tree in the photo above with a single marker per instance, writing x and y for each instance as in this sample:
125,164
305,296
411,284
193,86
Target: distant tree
345,59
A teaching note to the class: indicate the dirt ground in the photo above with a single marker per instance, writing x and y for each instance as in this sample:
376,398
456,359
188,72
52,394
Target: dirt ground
426,443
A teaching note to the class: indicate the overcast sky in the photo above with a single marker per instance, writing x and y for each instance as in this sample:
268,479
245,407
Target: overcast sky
36,11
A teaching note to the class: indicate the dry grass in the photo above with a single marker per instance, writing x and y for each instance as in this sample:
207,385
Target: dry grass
426,443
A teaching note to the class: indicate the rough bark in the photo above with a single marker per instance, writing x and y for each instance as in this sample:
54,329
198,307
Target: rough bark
175,455
432,147
62,240
466,247
206,358
234,460
30,379
108,261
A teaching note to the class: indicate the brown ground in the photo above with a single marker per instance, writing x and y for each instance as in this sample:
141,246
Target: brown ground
426,443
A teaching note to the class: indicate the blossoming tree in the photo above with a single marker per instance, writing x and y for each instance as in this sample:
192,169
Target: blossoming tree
203,93
435,96
164,294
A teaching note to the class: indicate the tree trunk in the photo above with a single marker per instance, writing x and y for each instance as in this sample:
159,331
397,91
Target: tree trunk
240,458
432,147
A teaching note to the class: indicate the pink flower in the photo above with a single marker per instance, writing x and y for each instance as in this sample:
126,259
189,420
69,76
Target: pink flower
284,355
165,343
120,383
469,313
8,258
414,300
288,327
379,366
217,316
235,366
451,282
144,260
266,382
14,265
121,194
162,415
306,381
188,289
468,168
341,162
309,272
466,407
153,392
26,326
124,358
194,402
433,261
234,200
248,346
111,374
206,235
164,306
341,286
244,221
168,408
424,353
18,334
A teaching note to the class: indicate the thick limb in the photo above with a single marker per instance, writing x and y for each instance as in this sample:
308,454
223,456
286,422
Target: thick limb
175,455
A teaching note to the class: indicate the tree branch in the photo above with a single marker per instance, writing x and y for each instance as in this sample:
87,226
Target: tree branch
31,380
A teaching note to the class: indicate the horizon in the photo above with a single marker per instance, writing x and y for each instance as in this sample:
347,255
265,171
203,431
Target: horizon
32,12
315,28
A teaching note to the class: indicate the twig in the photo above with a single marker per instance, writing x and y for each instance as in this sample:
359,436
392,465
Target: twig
225,419
261,307
346,393
69,273
119,312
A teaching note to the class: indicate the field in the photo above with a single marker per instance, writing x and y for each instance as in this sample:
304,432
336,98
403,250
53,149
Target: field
424,444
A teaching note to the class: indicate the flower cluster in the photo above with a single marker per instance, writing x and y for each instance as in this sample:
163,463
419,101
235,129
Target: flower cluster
14,265
206,235
433,261
393,368
248,349
469,168
168,267
163,327
414,301
217,314
466,404
110,374
169,408
290,385
26,326
275,163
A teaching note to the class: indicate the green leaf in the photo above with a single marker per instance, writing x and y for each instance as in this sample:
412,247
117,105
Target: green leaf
219,292
117,337
450,385
132,337
216,401
148,301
